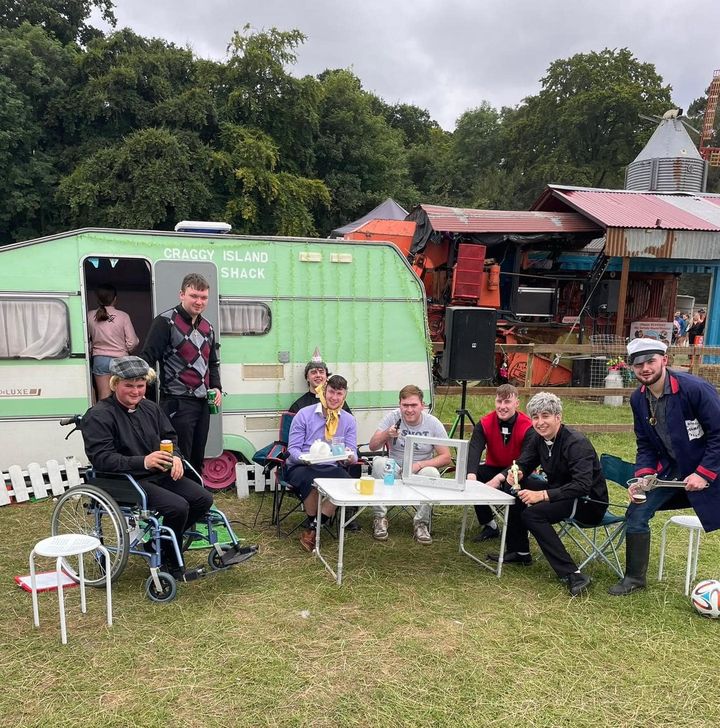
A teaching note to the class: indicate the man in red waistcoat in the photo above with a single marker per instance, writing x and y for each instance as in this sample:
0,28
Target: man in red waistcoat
500,434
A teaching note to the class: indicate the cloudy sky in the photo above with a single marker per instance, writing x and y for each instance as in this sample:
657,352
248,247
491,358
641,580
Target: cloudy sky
449,55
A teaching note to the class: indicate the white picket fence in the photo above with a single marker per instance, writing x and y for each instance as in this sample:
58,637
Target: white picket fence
37,482
247,476
18,485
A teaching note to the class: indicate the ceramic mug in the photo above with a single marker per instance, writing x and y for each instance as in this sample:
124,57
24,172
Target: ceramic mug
366,485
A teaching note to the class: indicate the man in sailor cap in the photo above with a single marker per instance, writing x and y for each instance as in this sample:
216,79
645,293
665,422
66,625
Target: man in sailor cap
677,427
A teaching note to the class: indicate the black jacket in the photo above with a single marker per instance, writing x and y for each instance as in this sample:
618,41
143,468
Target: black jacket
572,467
117,440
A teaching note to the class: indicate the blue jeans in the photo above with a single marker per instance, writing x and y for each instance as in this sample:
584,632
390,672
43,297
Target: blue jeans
638,515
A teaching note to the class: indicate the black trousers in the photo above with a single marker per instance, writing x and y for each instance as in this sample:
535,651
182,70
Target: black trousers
190,417
538,519
487,472
301,477
180,502
484,473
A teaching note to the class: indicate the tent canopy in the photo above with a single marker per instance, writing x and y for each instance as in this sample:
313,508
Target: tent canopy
387,210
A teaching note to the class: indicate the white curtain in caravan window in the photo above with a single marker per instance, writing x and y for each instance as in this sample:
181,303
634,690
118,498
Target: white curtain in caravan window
244,318
33,329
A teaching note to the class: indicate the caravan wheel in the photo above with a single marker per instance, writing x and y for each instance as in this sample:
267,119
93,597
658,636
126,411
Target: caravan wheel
219,473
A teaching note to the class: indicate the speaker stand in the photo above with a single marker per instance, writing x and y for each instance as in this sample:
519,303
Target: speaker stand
461,414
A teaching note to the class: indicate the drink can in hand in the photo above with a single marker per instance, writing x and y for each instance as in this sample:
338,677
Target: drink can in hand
167,446
212,401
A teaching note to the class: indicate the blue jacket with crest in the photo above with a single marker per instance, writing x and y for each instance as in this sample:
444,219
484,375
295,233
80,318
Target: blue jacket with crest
692,414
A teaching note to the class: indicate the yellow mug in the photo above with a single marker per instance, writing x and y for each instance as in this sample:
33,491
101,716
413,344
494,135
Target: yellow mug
366,485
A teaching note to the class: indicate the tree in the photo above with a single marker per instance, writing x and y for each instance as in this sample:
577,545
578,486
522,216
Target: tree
260,93
64,19
260,199
473,155
36,73
584,126
129,82
151,179
426,147
358,155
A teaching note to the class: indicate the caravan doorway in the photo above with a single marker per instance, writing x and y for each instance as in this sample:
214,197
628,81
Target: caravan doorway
132,278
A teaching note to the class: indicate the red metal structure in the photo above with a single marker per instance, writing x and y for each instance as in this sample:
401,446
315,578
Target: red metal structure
708,153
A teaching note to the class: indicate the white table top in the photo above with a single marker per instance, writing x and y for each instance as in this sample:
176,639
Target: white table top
474,493
342,492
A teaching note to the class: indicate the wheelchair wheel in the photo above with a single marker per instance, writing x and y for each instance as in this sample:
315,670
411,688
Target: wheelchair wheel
214,561
168,588
88,510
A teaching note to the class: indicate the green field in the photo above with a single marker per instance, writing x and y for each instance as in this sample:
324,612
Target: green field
415,636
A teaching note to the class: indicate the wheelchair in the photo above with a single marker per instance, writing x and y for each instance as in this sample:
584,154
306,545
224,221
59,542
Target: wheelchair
113,508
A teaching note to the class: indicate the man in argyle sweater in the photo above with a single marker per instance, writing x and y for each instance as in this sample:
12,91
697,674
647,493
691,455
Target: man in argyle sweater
183,343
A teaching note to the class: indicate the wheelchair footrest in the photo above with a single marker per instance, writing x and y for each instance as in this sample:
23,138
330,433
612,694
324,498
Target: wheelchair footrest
236,554
190,574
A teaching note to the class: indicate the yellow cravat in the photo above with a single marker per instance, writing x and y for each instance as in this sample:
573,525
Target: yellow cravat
333,416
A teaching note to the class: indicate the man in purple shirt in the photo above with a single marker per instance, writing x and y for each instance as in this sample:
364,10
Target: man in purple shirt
326,421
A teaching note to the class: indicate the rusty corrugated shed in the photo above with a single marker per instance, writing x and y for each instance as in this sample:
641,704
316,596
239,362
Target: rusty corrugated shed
645,224
628,209
461,220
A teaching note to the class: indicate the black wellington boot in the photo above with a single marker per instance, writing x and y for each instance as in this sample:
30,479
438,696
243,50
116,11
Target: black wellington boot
637,556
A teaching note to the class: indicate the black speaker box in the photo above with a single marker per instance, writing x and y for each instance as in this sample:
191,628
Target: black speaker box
469,343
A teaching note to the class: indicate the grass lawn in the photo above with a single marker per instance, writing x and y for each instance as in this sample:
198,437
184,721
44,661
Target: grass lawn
415,636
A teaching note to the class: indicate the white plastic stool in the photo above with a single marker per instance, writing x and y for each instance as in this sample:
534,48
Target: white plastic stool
692,523
60,547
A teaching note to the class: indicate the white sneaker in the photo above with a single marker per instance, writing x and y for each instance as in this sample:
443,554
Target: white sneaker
380,529
422,534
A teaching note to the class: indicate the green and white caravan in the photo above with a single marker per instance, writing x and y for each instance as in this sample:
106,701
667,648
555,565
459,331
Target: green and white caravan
273,300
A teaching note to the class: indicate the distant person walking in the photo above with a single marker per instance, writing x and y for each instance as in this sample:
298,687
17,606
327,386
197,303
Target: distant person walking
111,335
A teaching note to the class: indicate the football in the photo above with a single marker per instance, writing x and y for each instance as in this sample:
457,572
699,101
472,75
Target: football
705,597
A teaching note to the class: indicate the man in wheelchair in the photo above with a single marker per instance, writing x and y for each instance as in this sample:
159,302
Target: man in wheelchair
122,434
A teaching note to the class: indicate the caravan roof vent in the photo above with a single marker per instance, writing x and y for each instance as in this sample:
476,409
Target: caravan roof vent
202,226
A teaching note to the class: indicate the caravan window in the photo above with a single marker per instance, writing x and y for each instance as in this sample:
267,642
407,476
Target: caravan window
34,328
244,318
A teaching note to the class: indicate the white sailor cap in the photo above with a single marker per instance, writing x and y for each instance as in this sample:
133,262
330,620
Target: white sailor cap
640,350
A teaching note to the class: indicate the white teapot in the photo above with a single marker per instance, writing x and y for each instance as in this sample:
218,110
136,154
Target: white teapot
320,449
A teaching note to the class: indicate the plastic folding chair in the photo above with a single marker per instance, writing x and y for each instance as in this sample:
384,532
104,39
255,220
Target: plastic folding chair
600,542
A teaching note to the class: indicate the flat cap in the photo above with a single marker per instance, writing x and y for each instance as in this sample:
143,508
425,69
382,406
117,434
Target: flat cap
129,367
640,350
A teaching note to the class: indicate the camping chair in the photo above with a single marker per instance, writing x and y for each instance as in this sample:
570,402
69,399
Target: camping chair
607,536
274,468
275,465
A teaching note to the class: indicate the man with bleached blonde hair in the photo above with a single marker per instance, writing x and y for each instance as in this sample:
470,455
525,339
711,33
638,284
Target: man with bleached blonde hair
575,484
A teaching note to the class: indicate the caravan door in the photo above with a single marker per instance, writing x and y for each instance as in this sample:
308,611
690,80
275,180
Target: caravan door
166,294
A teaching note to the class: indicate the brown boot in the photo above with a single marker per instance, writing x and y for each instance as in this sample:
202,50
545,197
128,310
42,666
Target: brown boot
307,539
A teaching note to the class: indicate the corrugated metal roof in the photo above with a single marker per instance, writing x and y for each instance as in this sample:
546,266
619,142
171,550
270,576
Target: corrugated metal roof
628,209
461,220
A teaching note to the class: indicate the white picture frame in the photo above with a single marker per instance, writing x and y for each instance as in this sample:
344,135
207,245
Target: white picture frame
461,456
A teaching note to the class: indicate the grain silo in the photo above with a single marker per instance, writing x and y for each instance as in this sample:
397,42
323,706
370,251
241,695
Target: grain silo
670,161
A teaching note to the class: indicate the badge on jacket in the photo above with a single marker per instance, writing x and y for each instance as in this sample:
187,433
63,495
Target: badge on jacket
694,429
